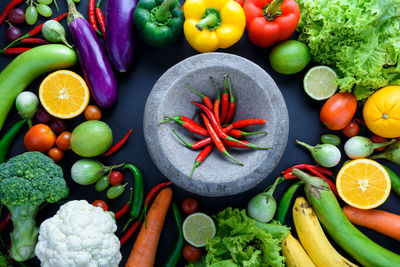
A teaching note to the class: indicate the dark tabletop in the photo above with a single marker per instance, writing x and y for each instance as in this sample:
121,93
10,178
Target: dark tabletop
134,87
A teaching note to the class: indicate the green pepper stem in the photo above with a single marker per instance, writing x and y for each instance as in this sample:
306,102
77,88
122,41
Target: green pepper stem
310,148
98,4
229,138
272,10
378,145
210,20
378,156
195,91
225,91
252,133
215,86
232,158
232,99
162,12
196,164
180,122
182,140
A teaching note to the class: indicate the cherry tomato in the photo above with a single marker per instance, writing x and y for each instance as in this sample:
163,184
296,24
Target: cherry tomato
56,154
39,138
191,253
378,139
63,141
92,113
101,204
190,205
351,129
338,110
116,178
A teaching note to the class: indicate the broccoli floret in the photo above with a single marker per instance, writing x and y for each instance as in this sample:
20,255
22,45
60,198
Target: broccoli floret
27,181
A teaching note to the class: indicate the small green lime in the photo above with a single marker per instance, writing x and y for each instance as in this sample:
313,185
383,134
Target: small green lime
197,228
289,57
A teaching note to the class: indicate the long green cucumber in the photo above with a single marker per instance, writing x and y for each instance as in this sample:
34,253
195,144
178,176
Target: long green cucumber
345,234
28,66
394,179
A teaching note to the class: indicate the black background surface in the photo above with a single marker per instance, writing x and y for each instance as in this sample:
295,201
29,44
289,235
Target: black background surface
134,87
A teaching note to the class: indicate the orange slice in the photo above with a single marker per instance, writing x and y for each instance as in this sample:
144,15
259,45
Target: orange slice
363,183
64,94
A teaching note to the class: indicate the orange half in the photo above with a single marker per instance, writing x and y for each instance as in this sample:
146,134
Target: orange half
363,183
64,94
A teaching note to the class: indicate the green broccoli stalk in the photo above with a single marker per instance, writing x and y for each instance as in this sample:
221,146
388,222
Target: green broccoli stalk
27,181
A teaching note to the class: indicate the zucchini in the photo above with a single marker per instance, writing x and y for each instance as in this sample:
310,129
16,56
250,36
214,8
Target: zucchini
342,231
28,66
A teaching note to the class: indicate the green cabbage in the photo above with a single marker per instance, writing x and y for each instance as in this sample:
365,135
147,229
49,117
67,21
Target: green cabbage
243,242
359,39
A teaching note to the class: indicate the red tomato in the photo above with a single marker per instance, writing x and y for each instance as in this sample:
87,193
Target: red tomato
378,139
101,204
39,138
351,129
56,154
191,253
116,178
63,141
338,110
190,205
92,113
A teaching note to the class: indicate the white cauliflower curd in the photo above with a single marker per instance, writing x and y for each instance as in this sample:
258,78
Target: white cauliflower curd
79,235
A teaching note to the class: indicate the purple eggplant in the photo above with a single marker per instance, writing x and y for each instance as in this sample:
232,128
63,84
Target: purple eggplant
119,35
92,57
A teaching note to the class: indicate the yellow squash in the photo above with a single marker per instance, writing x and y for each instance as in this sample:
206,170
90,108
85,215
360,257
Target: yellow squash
213,24
382,112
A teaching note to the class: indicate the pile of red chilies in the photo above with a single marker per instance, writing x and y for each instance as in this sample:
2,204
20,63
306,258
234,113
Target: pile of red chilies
313,170
214,116
94,12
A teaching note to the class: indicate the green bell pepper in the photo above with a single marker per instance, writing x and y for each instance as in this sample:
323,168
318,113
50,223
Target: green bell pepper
159,21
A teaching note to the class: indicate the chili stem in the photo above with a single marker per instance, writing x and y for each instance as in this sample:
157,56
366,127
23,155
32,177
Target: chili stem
273,9
162,12
210,20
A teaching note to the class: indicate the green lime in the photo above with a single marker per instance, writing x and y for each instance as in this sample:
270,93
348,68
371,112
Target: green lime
319,82
289,57
197,228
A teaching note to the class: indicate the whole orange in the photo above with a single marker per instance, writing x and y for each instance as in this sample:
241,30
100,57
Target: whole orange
382,112
39,138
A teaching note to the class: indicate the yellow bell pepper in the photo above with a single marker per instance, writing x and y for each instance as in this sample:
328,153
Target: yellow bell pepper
213,24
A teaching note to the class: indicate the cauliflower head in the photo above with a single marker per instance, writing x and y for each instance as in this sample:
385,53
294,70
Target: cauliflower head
79,235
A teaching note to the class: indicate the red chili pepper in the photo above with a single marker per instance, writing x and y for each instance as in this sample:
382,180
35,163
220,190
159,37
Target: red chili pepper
8,8
360,121
217,101
290,175
182,118
100,18
191,127
92,16
14,50
232,104
247,122
322,170
320,175
153,192
205,98
235,145
218,143
224,102
129,233
5,221
238,133
34,41
118,145
201,157
125,208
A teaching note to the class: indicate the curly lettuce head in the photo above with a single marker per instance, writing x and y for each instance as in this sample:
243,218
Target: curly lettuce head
360,39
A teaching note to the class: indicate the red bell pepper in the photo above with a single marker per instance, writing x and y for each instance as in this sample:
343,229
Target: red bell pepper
270,21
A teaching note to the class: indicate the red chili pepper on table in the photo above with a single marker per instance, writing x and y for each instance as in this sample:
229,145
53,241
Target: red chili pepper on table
125,208
191,127
8,8
205,98
218,143
320,175
118,145
201,157
100,18
224,102
290,175
247,122
5,221
154,191
92,16
34,41
232,104
322,170
14,50
217,101
129,233
268,22
182,118
238,133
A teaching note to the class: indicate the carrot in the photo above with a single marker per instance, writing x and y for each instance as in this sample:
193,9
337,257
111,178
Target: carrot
144,250
379,220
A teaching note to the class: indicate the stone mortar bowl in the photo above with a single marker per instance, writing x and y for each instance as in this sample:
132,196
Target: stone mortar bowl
256,95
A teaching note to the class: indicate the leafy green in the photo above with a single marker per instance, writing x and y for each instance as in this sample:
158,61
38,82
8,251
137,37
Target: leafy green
360,39
243,242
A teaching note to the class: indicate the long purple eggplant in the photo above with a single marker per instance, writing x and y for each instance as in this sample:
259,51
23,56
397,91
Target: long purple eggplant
119,35
93,59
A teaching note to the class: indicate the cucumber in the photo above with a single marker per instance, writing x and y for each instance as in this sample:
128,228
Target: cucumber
394,179
28,66
342,231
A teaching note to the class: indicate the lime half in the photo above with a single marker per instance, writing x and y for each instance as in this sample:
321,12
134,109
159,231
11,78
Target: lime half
319,82
197,228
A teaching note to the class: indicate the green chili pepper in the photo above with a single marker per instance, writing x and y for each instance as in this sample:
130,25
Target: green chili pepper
102,183
394,179
160,22
176,252
115,191
284,203
330,139
7,139
138,186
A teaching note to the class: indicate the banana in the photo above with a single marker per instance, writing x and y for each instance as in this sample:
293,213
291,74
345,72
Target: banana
313,239
294,253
